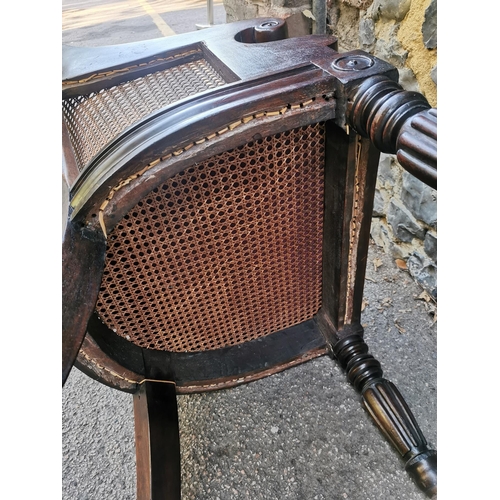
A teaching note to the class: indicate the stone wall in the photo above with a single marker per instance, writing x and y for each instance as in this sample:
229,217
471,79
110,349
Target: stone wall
404,33
250,9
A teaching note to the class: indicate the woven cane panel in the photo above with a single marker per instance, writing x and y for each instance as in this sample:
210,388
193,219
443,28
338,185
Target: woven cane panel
94,120
226,251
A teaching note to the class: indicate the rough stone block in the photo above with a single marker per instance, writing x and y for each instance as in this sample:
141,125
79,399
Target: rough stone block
383,238
424,272
429,27
404,226
378,204
408,80
390,50
237,10
390,9
430,246
420,199
386,169
380,234
358,4
367,32
399,251
344,22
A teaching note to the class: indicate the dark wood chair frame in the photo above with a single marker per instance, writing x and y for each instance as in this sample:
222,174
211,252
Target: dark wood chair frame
273,84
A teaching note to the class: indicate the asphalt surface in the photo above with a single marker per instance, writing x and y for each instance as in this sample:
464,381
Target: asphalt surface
299,434
94,23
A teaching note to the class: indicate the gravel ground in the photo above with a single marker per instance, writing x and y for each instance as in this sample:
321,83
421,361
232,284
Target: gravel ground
299,434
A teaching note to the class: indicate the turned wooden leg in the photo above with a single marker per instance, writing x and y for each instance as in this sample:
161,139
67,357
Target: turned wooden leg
157,442
389,410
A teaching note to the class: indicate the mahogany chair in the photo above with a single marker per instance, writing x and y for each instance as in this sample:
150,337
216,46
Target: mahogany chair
221,186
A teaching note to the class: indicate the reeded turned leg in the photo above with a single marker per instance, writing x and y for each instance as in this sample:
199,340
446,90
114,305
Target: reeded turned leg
389,410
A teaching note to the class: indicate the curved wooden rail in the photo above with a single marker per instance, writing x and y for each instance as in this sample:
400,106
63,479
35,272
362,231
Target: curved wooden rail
214,117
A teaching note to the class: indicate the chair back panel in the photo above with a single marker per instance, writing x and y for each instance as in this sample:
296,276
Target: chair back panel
226,251
95,119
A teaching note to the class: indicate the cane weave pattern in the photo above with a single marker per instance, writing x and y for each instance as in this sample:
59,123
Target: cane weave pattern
96,119
227,251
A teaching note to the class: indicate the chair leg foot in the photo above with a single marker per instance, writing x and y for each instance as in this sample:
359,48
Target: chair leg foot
157,442
389,410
